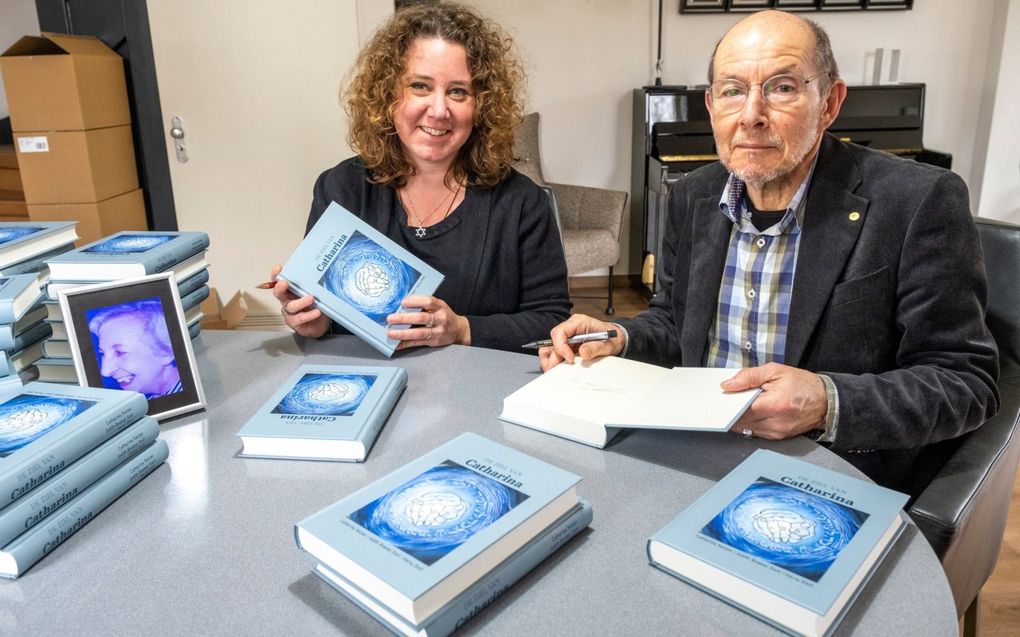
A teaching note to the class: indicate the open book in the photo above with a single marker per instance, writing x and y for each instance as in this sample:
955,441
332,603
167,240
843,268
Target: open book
590,401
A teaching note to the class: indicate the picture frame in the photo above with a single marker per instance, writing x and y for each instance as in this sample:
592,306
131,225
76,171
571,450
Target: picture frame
131,334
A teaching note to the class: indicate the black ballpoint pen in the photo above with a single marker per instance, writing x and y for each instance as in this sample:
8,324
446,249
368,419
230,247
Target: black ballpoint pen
575,339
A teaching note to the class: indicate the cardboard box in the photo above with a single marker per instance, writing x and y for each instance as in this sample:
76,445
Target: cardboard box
223,317
97,220
64,82
76,166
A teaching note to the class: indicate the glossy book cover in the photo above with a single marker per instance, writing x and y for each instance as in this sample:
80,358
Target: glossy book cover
403,538
44,427
357,275
127,253
21,241
789,527
322,403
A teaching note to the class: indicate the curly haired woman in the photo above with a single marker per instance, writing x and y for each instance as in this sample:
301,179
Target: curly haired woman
432,108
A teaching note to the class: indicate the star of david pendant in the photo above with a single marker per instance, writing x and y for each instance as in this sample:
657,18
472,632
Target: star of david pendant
420,232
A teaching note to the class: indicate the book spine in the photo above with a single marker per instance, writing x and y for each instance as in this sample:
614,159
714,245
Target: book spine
174,252
18,479
194,329
32,509
32,335
490,587
193,282
6,336
381,413
41,539
382,346
7,310
194,298
480,594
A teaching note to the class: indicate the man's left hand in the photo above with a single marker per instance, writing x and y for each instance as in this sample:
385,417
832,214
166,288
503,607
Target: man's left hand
792,401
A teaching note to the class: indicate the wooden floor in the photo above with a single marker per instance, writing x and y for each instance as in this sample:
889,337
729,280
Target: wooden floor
1000,598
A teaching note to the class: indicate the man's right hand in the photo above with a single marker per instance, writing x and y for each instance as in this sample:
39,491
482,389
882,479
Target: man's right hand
300,314
561,351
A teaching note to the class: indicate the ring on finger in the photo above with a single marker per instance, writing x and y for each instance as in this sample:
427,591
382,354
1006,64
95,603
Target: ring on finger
428,337
432,320
747,433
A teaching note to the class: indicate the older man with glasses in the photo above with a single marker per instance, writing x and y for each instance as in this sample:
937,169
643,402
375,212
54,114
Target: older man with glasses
847,283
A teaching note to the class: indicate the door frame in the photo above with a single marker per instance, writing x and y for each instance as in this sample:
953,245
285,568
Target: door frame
123,25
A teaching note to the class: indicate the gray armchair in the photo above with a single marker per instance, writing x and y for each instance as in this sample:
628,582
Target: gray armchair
963,511
590,219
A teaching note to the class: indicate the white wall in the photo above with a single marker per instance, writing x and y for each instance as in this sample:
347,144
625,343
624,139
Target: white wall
17,18
1000,186
585,56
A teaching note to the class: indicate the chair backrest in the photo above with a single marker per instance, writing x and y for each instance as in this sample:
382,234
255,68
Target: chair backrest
1001,244
527,158
963,511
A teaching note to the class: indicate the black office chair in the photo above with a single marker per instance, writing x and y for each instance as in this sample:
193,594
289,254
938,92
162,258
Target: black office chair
963,511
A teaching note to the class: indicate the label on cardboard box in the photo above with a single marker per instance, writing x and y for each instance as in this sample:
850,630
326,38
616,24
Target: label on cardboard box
33,144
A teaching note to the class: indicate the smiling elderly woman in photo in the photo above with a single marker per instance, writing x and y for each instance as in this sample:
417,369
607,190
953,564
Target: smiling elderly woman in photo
433,105
133,347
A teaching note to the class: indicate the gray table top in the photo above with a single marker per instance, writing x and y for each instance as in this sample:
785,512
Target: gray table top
205,545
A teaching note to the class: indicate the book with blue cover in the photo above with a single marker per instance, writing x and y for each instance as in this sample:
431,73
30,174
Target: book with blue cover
324,412
191,283
480,594
40,502
34,334
41,539
44,427
31,318
357,275
194,298
127,254
420,536
18,294
36,263
57,370
23,240
783,539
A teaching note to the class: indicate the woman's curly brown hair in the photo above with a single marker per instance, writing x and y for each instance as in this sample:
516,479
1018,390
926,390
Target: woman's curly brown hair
497,78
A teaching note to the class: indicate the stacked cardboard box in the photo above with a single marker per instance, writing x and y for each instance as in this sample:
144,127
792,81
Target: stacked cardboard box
72,133
12,193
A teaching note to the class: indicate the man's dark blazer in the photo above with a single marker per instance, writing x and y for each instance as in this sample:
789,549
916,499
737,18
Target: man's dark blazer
888,301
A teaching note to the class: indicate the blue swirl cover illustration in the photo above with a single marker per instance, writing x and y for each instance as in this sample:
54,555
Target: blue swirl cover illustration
16,232
326,395
130,243
26,417
432,514
792,529
371,279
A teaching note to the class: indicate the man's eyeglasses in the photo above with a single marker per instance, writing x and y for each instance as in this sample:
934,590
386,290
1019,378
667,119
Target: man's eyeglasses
780,91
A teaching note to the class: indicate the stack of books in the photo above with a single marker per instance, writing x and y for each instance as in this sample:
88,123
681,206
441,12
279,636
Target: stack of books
24,249
124,255
427,547
22,328
66,453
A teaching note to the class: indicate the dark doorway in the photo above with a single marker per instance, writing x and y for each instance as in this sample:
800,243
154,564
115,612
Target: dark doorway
123,25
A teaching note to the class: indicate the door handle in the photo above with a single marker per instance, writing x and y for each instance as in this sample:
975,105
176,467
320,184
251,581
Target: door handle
177,132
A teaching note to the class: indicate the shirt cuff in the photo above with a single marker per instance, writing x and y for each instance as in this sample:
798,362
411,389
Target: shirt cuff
828,431
626,339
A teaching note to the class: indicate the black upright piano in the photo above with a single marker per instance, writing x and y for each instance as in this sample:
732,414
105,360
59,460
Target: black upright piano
672,136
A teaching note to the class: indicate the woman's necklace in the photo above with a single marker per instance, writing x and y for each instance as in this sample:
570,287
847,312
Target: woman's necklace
420,223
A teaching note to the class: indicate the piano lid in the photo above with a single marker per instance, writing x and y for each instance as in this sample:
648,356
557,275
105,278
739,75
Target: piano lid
886,117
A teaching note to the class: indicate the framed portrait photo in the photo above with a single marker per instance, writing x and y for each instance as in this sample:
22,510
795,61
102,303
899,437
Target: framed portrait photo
131,335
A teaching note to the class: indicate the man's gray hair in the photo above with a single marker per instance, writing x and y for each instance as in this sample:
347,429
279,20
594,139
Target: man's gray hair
824,60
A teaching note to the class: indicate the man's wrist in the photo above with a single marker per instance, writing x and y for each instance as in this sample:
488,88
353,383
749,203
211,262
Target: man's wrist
826,430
